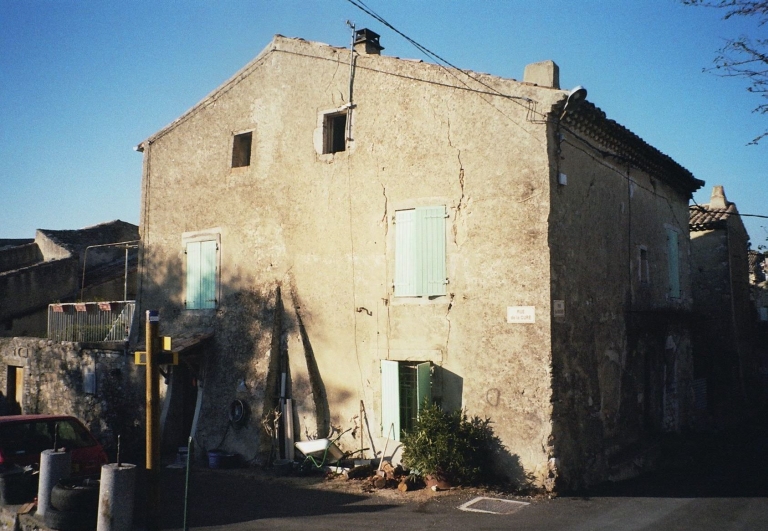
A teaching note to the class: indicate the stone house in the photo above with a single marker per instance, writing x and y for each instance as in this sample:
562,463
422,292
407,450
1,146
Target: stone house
359,237
723,353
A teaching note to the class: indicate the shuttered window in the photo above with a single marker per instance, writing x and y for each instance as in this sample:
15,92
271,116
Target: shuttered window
673,256
390,399
420,252
201,274
401,401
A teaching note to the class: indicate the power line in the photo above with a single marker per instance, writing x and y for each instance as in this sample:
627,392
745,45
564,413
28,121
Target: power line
701,208
361,6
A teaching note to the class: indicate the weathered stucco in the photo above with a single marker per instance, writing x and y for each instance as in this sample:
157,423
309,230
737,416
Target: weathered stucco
622,347
307,253
319,228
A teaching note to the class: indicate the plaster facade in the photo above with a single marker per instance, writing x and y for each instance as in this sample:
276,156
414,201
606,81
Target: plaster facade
306,245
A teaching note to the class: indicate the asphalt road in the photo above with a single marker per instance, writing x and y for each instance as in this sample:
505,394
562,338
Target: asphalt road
708,482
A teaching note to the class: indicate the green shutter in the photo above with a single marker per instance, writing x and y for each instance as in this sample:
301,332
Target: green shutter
208,274
405,254
420,252
423,385
201,274
673,258
390,399
193,275
432,247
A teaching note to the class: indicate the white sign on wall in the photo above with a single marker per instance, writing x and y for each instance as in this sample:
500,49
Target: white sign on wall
521,314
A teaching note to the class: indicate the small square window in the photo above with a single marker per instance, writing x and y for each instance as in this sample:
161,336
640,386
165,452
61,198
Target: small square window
241,150
335,133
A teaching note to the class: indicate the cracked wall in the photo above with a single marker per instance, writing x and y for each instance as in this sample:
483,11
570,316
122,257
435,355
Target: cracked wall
321,227
622,365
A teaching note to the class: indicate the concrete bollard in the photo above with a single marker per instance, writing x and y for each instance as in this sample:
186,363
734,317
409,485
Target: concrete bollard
54,466
116,497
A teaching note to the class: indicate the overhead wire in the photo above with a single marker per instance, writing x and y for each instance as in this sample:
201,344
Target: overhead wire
361,5
529,106
441,61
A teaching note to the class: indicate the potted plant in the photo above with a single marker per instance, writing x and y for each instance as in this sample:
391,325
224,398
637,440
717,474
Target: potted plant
449,448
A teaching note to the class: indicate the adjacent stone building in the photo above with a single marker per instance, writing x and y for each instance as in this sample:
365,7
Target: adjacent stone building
361,237
101,387
96,383
64,266
724,353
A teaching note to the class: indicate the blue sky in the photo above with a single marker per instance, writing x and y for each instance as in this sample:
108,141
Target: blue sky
82,83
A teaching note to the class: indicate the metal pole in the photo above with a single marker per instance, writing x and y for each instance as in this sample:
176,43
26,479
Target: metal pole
186,486
351,78
125,276
153,419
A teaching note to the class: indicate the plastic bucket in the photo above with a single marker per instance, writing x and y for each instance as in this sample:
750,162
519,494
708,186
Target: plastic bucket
220,459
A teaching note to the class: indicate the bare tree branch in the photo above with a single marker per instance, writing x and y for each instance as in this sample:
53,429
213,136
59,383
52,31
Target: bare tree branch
743,57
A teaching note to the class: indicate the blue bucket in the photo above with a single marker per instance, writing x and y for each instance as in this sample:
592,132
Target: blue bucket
220,459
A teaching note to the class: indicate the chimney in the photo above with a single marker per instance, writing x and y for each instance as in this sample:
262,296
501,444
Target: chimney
718,200
367,42
543,74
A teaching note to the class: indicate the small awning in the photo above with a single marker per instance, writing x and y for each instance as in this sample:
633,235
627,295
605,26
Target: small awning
184,344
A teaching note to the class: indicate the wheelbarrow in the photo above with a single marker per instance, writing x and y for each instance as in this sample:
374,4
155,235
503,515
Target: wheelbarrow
319,452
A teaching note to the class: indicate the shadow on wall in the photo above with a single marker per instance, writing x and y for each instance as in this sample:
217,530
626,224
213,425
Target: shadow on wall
322,410
447,388
246,359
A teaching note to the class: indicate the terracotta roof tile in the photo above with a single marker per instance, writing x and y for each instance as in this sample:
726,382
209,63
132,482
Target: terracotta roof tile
589,120
704,218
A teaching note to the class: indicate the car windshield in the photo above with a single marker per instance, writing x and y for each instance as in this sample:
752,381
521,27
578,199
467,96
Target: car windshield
35,436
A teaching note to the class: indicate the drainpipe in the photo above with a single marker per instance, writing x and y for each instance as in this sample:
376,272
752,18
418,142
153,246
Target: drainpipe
351,78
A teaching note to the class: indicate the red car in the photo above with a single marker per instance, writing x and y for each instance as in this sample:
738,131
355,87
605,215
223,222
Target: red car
24,437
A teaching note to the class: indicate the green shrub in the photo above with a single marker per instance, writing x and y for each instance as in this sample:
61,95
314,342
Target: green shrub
451,446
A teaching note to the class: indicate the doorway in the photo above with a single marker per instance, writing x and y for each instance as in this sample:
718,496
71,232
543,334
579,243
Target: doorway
14,389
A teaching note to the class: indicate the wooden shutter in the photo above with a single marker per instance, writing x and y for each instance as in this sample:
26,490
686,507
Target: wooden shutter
432,249
201,274
423,385
208,261
193,275
390,399
673,256
405,254
420,252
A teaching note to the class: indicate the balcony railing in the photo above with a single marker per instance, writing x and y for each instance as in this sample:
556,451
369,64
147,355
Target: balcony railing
91,322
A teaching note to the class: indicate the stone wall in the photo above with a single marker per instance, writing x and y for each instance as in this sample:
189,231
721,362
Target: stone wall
29,289
102,388
622,368
19,256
